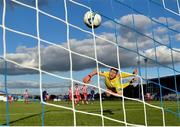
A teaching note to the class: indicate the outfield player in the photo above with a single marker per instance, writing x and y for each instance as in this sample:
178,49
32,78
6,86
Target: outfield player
92,93
26,96
85,94
77,94
69,94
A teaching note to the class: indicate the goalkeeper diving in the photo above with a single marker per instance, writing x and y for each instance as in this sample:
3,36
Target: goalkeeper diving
112,80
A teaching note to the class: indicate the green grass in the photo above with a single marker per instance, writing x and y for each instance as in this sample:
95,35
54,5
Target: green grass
30,114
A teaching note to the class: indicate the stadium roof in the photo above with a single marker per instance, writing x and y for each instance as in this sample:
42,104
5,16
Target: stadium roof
171,83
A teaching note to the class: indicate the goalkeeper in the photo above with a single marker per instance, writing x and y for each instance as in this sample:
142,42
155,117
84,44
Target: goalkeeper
112,80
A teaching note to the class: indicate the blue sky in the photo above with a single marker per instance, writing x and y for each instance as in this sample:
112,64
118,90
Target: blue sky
55,60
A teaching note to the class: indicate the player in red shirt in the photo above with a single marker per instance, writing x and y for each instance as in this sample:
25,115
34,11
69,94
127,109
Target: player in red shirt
85,94
26,95
10,99
77,94
70,94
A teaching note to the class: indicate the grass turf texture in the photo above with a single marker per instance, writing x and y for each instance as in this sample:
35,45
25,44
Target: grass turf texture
30,114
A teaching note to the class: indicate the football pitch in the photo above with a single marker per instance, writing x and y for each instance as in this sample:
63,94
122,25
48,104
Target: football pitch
21,114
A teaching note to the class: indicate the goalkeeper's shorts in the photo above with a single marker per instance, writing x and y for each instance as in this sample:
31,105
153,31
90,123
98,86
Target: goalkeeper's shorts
115,89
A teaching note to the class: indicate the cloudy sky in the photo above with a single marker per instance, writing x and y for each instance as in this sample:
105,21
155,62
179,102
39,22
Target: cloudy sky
153,32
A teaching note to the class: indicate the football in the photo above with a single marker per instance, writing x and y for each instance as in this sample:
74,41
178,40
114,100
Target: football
92,20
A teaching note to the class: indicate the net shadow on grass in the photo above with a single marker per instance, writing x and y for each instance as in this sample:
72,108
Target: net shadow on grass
108,111
27,117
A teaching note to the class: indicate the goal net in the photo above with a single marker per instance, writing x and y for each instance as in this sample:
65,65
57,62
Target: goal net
45,47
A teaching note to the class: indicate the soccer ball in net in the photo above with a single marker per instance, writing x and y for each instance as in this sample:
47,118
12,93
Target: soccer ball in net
92,19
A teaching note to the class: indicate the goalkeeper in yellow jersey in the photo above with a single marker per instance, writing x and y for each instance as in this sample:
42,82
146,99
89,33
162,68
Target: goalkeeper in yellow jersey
113,80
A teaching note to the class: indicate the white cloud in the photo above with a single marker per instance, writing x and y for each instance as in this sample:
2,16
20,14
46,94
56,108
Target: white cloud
161,30
54,58
163,54
177,36
140,21
25,84
24,59
172,23
109,24
143,26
